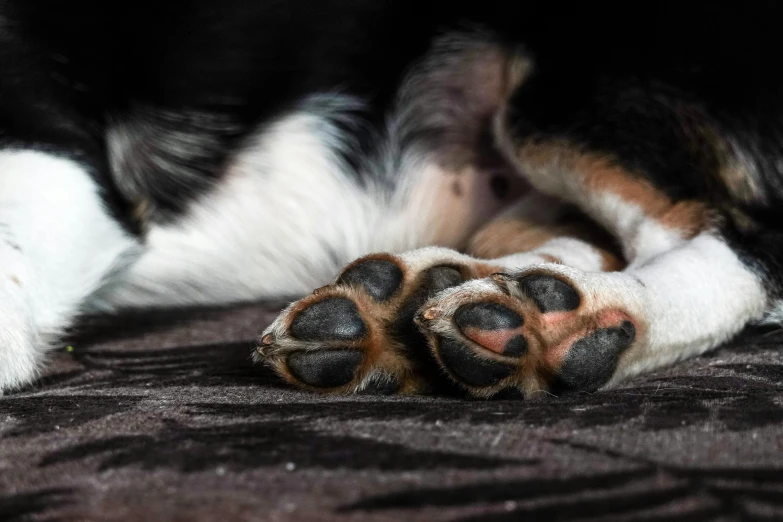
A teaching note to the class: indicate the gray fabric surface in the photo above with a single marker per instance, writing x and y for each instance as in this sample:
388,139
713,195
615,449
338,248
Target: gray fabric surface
163,417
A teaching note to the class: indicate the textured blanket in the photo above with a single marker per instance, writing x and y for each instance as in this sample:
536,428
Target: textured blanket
164,417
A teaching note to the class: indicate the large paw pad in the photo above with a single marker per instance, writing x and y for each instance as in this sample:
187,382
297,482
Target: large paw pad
334,319
324,368
380,278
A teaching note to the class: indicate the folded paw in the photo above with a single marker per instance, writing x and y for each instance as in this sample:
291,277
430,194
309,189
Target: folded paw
537,330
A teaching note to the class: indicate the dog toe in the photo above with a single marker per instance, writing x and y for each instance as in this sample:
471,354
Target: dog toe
333,319
324,368
591,360
469,368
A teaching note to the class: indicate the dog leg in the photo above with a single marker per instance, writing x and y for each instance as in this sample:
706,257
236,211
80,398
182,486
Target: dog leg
58,246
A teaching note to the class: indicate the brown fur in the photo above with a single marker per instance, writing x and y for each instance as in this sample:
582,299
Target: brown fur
602,173
506,236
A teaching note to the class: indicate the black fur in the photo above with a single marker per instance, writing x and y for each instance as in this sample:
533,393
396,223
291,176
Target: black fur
74,70
186,81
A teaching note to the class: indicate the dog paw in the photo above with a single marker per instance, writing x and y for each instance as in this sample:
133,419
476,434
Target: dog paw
357,335
21,348
549,328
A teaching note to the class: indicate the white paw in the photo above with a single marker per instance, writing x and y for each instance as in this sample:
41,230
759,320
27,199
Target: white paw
21,348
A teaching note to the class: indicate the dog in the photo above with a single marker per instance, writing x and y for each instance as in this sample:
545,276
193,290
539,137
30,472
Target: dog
567,196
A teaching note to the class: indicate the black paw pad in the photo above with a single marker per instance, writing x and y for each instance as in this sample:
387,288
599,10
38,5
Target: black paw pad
487,316
492,326
380,278
550,294
516,346
443,277
468,367
591,360
335,319
324,368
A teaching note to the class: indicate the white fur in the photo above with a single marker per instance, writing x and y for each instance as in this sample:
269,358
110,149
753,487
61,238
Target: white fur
641,237
570,252
696,297
57,247
689,295
286,218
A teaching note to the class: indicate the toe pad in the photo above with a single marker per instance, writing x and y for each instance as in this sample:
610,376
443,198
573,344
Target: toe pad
324,368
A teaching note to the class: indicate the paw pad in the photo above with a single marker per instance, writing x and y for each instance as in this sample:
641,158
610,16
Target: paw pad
591,360
549,293
443,277
380,278
359,334
324,368
493,326
527,332
473,370
335,319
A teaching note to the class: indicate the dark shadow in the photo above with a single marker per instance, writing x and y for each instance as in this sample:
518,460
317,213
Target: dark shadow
34,506
255,445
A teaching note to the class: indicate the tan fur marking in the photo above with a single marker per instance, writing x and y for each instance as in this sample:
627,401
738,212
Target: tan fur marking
610,262
598,173
503,237
506,236
480,270
740,181
691,217
551,259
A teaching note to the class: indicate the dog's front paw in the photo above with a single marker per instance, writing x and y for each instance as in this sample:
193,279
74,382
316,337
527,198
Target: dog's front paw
358,334
549,328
